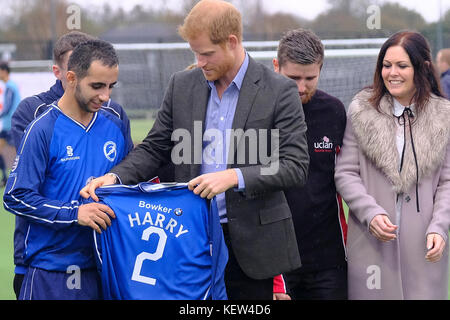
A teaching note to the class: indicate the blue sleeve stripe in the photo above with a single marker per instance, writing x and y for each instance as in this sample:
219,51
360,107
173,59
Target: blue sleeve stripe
207,293
99,256
25,204
38,218
31,127
37,109
59,208
12,187
112,109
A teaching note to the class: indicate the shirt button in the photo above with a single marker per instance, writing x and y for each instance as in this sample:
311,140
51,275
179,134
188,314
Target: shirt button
222,118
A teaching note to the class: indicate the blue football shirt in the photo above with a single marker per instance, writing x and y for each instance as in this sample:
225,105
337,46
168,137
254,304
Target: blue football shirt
56,157
165,243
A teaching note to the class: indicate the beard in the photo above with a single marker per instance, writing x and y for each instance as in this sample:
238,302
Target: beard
219,70
307,96
82,101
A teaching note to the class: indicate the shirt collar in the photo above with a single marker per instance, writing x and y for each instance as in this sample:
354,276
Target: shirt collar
239,78
399,108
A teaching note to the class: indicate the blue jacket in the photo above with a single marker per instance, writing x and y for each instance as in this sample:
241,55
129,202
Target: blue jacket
28,110
445,83
56,157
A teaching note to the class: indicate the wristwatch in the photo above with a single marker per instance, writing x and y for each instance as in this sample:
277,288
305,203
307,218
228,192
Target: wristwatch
115,176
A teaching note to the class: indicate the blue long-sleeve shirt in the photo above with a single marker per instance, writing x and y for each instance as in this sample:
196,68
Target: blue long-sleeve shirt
219,118
29,109
56,158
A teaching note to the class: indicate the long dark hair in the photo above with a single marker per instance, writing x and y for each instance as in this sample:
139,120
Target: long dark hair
426,80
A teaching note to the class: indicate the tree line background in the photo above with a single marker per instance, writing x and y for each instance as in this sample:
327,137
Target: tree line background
33,25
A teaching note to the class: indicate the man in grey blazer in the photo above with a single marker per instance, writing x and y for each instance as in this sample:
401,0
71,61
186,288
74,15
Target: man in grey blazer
234,130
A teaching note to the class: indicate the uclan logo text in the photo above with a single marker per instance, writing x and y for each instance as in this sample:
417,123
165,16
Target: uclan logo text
323,146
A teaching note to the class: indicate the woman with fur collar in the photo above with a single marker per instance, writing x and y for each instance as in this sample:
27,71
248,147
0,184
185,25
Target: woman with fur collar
394,173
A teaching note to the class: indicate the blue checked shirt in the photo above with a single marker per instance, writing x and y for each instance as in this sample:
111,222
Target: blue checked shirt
219,119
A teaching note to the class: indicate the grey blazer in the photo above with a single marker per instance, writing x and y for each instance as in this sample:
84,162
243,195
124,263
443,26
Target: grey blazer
260,222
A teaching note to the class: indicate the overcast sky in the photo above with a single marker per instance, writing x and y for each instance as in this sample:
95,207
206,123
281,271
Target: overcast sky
308,9
311,8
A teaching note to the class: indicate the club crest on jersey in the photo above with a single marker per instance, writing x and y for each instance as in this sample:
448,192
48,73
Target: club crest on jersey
325,145
110,150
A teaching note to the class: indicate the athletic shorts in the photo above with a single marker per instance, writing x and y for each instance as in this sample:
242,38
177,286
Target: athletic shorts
75,284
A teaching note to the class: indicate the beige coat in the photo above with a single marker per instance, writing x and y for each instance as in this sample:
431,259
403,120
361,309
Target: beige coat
368,179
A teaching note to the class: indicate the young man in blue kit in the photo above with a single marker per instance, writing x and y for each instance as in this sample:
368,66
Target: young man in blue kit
69,144
32,107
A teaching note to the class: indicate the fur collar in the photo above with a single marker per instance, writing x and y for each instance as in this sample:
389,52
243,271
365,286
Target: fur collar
375,133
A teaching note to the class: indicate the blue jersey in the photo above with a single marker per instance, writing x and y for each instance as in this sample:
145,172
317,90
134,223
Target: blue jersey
29,109
165,243
56,157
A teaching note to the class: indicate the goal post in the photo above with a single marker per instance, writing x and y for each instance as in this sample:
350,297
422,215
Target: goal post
145,69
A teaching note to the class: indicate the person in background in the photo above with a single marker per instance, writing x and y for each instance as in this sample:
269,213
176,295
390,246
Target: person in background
443,65
316,208
393,172
10,102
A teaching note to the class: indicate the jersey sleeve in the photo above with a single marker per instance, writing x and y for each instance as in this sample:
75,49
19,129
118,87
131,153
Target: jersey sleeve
22,193
22,117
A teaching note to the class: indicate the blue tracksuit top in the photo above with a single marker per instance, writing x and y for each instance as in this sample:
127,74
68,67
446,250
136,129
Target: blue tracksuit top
56,158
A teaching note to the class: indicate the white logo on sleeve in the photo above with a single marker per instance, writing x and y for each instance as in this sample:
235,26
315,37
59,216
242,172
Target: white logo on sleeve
16,162
110,150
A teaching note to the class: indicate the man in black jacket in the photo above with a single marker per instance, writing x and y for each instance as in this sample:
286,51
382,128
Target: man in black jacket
317,210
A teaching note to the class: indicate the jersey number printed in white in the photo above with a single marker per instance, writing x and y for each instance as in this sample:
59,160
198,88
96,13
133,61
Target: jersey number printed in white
149,256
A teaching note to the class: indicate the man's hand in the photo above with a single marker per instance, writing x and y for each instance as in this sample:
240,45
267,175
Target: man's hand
382,228
435,247
89,189
95,215
281,296
211,184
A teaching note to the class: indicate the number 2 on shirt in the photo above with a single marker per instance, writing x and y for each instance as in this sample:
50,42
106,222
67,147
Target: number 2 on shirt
149,256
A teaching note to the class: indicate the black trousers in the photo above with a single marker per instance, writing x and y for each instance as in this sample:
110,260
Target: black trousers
328,284
239,286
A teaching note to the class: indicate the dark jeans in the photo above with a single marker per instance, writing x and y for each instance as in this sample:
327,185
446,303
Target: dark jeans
329,284
239,286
